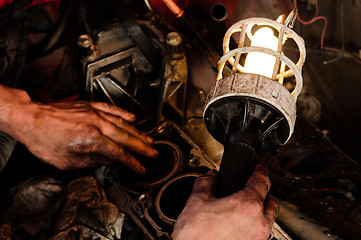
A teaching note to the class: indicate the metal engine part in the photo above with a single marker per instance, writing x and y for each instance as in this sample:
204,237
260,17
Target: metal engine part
171,197
319,178
121,64
147,200
154,203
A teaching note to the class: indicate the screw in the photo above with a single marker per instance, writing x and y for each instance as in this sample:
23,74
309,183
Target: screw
161,129
194,161
143,197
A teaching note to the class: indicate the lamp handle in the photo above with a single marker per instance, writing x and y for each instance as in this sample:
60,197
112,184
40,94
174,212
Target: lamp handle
238,162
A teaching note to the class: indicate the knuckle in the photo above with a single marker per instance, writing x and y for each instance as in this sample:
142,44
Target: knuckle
273,202
266,179
121,123
255,207
238,200
104,105
261,178
93,115
123,155
93,132
259,183
126,135
89,140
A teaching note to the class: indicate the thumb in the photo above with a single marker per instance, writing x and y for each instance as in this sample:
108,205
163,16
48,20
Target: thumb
204,186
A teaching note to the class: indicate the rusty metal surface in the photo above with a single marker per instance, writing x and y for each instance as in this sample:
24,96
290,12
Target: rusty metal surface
321,180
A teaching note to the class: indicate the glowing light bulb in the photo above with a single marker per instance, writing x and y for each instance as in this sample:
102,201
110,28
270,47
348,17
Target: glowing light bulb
261,63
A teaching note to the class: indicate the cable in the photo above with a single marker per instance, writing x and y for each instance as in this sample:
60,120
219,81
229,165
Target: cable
340,51
316,18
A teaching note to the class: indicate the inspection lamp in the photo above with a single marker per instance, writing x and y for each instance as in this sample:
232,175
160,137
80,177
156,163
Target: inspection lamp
250,109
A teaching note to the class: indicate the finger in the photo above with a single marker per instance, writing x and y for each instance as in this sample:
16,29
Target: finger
259,182
128,140
204,186
119,122
114,110
106,147
270,210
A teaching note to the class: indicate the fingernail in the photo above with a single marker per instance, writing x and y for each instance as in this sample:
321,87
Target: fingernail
131,117
155,153
142,170
149,139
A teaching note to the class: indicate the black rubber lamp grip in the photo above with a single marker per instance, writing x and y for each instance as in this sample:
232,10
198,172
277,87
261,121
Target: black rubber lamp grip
238,162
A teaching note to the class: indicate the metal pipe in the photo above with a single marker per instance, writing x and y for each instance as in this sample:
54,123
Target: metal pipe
300,225
218,12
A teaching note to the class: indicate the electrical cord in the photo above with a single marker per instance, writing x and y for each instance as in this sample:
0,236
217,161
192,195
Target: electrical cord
316,18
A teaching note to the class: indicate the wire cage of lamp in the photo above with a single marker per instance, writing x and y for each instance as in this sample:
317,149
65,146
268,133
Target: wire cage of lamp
280,71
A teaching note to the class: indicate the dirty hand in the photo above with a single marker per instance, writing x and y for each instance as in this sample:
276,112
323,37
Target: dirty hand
73,135
247,214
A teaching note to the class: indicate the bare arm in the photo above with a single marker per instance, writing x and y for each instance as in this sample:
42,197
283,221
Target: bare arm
73,135
246,215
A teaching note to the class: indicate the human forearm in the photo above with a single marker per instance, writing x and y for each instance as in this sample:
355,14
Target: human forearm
73,135
15,106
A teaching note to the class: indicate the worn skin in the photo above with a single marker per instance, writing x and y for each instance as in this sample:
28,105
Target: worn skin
73,135
247,214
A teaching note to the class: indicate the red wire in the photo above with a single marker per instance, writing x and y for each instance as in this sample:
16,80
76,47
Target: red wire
316,3
314,19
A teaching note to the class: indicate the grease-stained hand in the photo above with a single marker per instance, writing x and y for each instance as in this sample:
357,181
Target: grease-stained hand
74,135
248,214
